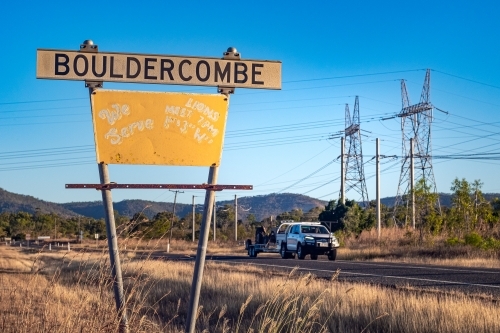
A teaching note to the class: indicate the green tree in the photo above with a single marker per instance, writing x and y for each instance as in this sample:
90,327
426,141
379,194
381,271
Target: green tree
294,214
20,224
482,210
461,211
159,226
427,218
351,218
187,222
4,224
251,219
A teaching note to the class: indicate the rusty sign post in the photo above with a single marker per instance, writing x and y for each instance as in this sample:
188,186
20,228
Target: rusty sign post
158,128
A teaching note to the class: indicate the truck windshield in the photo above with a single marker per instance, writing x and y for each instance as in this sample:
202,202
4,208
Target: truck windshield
312,229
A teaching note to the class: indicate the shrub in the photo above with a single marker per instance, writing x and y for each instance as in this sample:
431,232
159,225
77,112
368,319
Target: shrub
492,243
474,239
453,241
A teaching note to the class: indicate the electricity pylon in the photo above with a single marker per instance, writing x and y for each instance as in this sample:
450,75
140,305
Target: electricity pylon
416,123
354,175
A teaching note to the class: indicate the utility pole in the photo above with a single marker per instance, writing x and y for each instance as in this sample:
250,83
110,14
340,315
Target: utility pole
193,218
80,238
235,218
342,171
412,184
378,187
215,216
173,220
55,228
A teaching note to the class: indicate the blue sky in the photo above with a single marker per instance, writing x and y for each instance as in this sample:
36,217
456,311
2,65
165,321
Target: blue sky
331,51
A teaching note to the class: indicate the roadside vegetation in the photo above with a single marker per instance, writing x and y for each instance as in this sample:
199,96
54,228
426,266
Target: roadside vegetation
465,234
71,292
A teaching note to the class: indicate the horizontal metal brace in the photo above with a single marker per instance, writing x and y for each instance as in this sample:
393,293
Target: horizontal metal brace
207,187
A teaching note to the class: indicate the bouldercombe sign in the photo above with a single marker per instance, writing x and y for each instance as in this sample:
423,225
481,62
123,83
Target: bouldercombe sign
180,129
140,68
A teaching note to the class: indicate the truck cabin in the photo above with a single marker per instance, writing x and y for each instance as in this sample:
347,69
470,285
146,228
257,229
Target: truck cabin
314,229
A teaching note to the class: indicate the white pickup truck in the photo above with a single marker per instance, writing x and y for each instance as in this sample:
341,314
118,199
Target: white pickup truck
309,238
301,238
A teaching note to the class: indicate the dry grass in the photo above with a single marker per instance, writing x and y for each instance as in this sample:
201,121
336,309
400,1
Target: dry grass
176,246
72,293
401,245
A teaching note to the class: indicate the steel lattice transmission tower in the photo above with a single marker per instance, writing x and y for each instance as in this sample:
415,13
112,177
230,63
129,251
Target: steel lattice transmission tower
354,170
416,123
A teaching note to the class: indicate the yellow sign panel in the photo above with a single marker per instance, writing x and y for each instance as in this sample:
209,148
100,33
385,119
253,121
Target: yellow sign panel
133,127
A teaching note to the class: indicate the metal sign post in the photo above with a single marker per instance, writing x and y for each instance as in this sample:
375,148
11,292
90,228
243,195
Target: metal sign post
132,127
201,252
114,258
89,48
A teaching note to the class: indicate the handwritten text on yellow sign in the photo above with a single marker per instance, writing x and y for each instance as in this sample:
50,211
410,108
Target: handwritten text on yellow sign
133,127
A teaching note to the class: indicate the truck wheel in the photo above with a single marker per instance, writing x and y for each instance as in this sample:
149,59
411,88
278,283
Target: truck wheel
283,252
300,252
253,254
314,257
248,242
332,254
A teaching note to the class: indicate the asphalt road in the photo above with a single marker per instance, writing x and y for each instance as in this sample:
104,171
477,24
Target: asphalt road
473,281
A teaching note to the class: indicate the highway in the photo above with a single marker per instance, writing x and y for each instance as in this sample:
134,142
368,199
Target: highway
473,281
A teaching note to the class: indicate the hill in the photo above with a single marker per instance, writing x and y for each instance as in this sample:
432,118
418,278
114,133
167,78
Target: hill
261,206
12,202
445,199
127,208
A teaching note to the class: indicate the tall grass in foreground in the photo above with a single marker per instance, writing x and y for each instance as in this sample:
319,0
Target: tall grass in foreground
72,293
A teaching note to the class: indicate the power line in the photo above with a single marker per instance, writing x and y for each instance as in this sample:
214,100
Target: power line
355,75
466,79
312,174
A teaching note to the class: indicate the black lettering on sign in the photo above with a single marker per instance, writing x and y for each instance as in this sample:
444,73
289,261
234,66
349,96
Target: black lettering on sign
85,65
128,69
60,63
240,72
207,70
147,67
222,73
255,73
164,69
185,61
112,68
94,71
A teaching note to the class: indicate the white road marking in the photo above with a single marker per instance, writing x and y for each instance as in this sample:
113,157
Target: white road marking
367,274
419,267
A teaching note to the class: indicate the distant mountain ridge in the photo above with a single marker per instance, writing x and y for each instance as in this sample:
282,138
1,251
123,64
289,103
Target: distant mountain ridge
261,206
12,202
